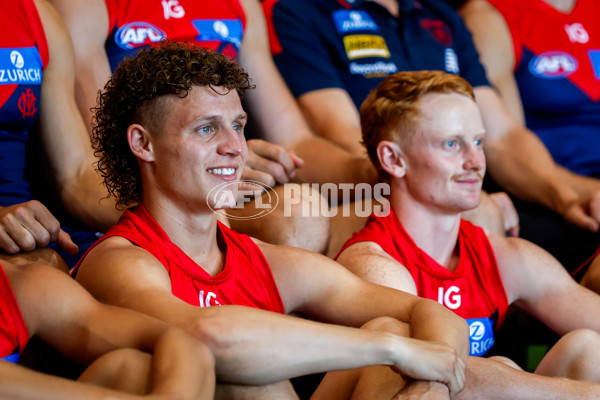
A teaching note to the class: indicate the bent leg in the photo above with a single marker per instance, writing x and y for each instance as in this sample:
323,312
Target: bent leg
125,370
487,215
43,254
376,382
296,218
576,356
276,391
496,379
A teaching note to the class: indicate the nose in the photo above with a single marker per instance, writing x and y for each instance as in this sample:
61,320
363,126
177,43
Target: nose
475,158
232,143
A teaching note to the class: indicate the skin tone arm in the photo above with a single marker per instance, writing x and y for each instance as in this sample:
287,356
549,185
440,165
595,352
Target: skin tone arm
290,130
566,193
536,281
260,347
83,329
25,226
486,378
65,141
332,294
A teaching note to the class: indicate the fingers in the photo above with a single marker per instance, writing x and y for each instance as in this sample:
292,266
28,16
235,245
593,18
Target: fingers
460,375
249,174
595,206
25,226
273,160
298,162
64,241
576,215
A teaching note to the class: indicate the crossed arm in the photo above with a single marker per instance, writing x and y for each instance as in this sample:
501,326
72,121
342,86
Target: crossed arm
257,347
535,281
60,312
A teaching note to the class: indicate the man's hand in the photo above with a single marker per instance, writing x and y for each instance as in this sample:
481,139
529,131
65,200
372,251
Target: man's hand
423,390
585,213
269,163
435,362
509,213
25,226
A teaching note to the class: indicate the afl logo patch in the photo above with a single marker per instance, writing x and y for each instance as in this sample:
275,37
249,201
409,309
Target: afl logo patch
137,34
553,65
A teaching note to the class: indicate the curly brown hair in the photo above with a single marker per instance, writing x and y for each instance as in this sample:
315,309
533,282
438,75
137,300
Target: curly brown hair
391,110
133,95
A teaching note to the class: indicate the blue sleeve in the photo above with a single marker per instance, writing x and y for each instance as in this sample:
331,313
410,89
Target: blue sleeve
303,59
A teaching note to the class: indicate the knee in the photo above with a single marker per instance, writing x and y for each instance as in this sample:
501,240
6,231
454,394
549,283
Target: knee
44,255
296,219
574,356
579,341
506,361
124,369
306,224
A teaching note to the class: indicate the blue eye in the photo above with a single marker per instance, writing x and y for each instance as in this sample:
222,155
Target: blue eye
451,143
205,129
478,142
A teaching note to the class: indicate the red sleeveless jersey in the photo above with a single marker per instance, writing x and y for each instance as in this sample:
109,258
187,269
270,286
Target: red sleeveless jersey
23,57
139,23
245,280
474,290
13,331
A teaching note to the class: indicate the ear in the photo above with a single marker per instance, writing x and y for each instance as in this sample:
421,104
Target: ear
391,158
140,142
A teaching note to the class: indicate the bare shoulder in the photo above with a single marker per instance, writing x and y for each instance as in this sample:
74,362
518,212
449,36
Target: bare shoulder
490,34
511,249
36,284
476,8
371,262
116,266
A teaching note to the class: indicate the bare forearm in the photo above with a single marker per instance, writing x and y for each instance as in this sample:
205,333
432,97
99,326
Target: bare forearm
324,162
182,366
583,185
522,165
491,380
426,319
272,347
86,200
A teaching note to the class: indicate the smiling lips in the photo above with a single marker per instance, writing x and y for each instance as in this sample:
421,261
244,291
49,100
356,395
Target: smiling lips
470,178
225,173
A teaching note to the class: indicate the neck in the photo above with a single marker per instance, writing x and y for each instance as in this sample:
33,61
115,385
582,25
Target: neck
562,5
434,232
194,233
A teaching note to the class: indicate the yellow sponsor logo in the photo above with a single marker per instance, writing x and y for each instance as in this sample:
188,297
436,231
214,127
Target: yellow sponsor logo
358,46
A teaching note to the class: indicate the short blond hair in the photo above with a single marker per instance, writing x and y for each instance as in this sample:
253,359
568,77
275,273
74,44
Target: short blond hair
391,110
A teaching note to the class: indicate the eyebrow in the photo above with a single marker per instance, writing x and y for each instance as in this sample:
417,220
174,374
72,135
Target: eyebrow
217,118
